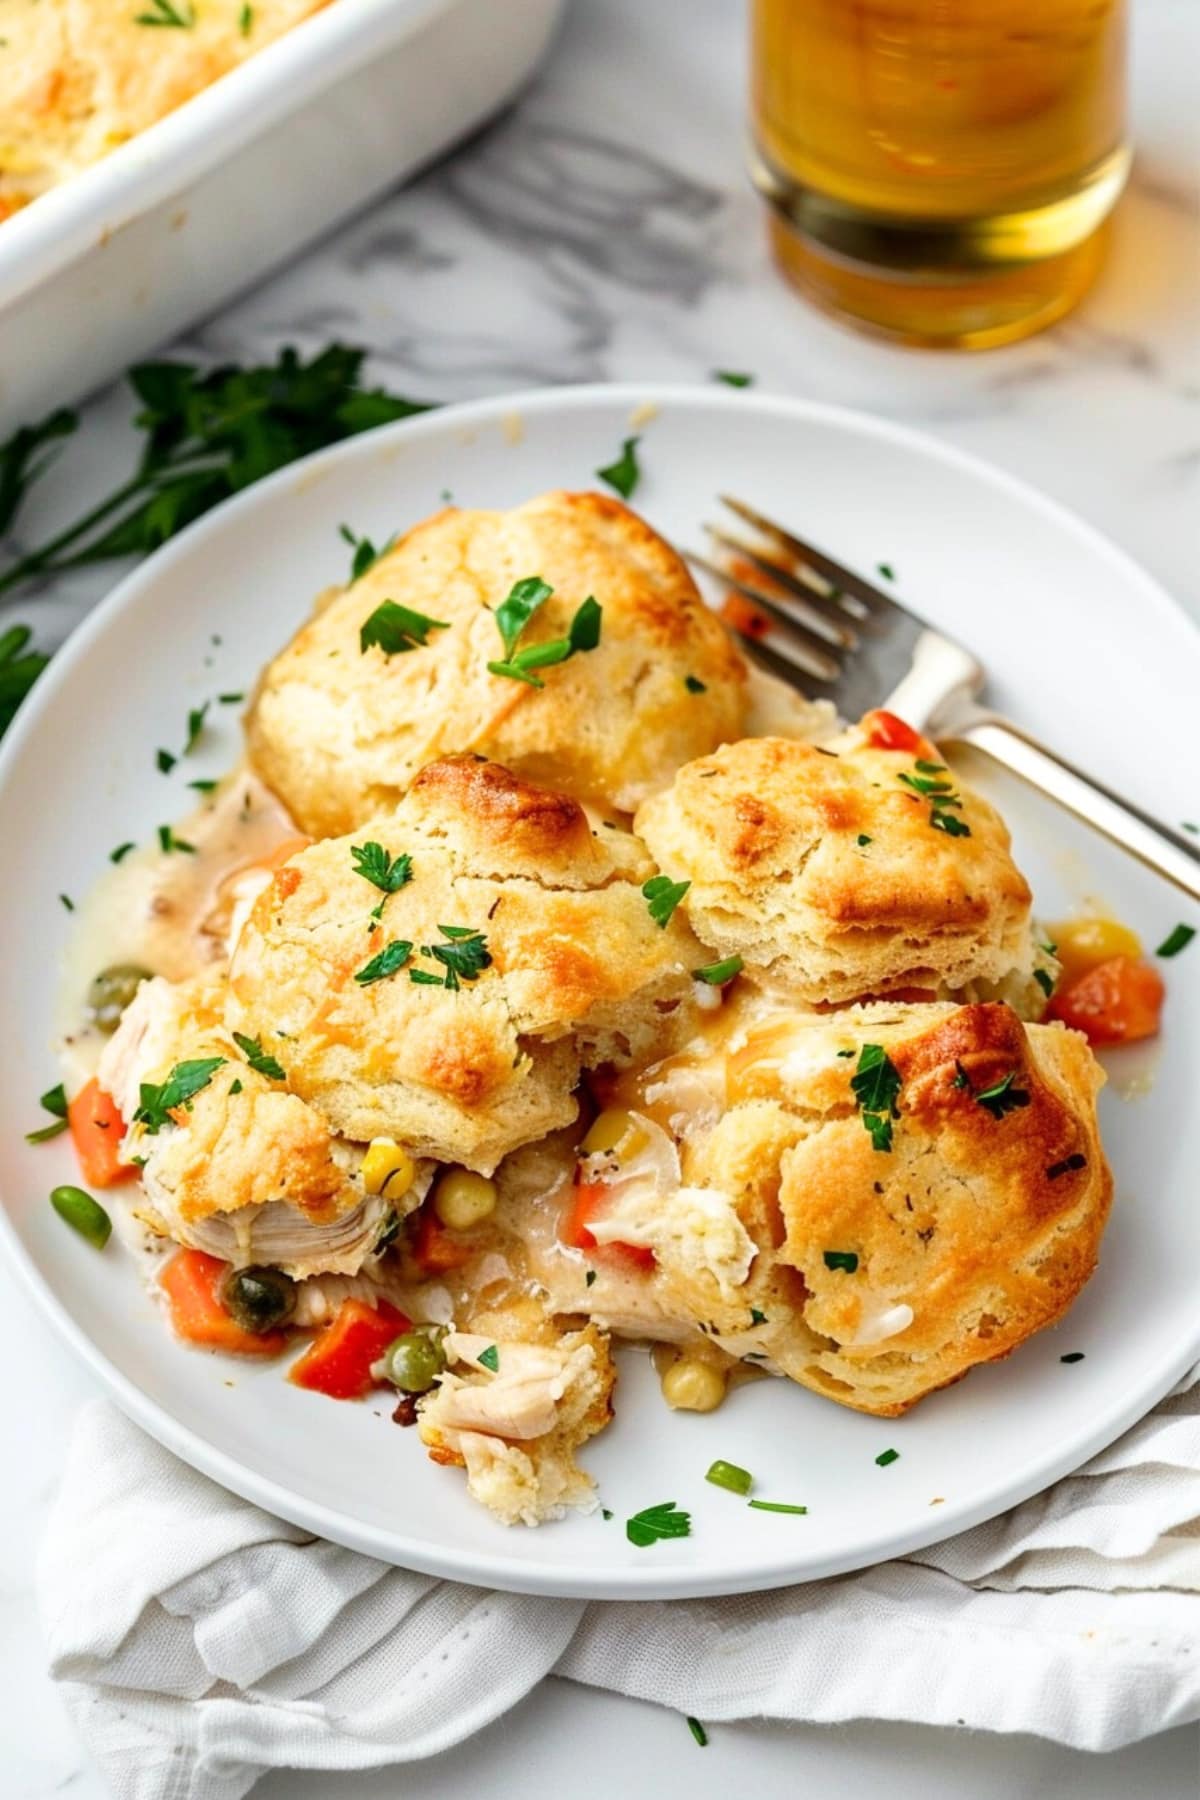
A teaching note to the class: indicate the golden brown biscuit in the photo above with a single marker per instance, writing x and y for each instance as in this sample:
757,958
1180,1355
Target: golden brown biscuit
339,733
242,1169
520,945
833,877
80,77
871,1255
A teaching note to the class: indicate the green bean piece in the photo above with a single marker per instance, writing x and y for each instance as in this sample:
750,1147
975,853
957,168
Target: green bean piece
727,1475
82,1214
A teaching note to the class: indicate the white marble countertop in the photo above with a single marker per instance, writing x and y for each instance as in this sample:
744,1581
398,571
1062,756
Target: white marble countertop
604,230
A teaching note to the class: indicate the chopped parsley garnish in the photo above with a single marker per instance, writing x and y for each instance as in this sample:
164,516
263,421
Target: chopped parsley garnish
121,852
845,1053
53,1101
365,553
1176,940
251,1048
733,378
663,896
203,787
961,1079
1189,826
887,1456
1067,1166
694,685
185,1081
1002,1097
930,784
195,725
163,12
728,1475
846,1260
67,902
604,1513
1045,981
718,973
863,840
392,957
1072,1356
164,761
662,1521
489,1358
589,1278
777,1506
698,1732
876,1087
887,571
235,1086
396,629
624,474
388,873
231,699
464,957
757,1316
513,615
246,20
167,841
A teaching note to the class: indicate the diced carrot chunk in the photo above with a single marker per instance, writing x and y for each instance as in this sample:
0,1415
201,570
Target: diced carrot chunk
742,615
589,1200
885,731
1114,1002
96,1131
435,1249
192,1283
338,1361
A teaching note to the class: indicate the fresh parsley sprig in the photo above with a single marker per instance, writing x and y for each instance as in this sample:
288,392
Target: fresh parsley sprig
1002,1097
513,615
207,434
390,960
181,17
259,1060
186,1080
662,896
365,554
624,474
396,629
464,957
53,1101
655,1522
876,1088
388,873
929,782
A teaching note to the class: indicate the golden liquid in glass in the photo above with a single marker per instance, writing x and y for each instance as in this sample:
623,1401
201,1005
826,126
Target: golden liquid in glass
940,170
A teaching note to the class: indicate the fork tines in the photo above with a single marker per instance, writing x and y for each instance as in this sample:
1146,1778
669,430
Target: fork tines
813,611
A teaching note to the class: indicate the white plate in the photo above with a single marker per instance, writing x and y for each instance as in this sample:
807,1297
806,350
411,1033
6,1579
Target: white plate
1082,646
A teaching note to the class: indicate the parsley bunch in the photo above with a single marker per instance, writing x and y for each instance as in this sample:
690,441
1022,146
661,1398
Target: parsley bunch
207,434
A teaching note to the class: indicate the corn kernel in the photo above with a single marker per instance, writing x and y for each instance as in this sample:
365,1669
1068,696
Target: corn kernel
690,1385
387,1168
464,1199
614,1132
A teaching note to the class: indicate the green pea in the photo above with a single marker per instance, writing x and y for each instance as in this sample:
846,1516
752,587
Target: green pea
82,1214
414,1361
111,992
258,1299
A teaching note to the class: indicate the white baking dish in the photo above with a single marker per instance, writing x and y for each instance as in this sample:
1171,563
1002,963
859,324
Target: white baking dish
125,255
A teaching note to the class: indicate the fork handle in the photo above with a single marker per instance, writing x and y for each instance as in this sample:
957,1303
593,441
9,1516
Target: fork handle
1166,851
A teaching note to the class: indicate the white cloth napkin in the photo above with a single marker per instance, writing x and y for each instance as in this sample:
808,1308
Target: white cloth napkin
201,1642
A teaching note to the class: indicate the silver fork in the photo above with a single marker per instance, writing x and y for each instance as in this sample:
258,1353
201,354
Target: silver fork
839,637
